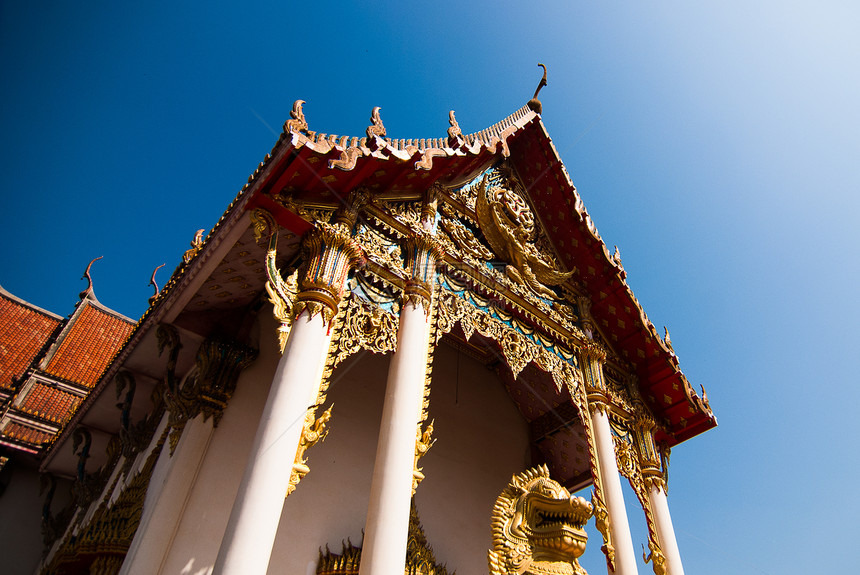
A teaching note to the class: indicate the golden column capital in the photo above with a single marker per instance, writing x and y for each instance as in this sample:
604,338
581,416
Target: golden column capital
593,351
347,215
429,204
593,356
330,253
423,250
643,427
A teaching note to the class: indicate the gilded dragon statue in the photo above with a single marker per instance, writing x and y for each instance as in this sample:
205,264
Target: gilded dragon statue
538,527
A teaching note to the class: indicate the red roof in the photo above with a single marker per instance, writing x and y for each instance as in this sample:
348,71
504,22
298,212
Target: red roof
24,330
88,346
50,403
27,434
383,165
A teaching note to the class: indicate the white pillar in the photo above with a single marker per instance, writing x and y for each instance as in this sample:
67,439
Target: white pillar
386,530
625,558
164,508
665,531
253,524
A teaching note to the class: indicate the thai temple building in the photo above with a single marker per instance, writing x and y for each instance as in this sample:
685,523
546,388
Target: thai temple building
387,357
48,366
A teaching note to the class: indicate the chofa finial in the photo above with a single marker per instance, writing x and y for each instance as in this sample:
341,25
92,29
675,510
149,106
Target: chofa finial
534,104
89,293
154,285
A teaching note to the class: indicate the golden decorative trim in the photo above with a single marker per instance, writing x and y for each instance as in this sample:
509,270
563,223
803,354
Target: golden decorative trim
297,123
465,240
315,428
430,204
100,546
517,349
196,246
602,521
629,465
522,542
330,252
423,442
455,134
379,248
365,326
313,432
282,293
208,387
423,250
375,129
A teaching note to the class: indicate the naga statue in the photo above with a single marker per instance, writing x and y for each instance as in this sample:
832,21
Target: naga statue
538,527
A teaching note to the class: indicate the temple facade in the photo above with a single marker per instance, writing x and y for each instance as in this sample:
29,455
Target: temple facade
388,356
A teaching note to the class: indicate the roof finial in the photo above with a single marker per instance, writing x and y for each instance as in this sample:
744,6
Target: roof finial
297,123
375,131
534,104
89,293
196,244
153,284
455,135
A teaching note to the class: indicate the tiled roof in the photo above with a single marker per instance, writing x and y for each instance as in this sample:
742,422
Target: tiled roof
88,346
24,330
50,403
27,434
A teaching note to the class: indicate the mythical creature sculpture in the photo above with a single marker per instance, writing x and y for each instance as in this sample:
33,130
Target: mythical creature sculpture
538,527
508,224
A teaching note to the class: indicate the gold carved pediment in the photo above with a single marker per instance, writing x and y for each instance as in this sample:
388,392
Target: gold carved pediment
509,224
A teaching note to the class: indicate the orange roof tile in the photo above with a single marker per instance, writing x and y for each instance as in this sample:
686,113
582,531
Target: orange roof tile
50,403
27,434
88,346
24,330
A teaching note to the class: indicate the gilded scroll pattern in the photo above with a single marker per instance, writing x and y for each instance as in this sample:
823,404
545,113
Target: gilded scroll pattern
365,326
520,343
377,247
424,436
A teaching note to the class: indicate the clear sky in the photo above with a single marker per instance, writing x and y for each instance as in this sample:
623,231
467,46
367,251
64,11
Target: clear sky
717,147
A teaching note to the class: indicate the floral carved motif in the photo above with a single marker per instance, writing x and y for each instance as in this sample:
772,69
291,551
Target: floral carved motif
365,326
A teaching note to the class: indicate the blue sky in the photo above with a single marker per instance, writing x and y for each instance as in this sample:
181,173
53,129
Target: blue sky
717,146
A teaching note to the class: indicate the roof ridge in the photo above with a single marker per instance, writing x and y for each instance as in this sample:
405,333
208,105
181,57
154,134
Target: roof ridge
10,296
103,308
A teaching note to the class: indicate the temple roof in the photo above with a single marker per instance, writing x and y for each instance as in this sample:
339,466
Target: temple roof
48,365
322,167
88,344
226,272
24,331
